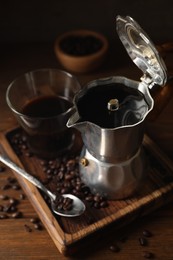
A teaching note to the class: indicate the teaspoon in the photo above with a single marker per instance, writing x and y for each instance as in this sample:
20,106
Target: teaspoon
78,207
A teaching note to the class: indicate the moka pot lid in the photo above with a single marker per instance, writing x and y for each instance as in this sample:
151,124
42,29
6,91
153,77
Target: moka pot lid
142,51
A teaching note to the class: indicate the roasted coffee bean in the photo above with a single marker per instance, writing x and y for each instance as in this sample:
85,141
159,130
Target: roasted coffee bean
2,168
146,233
96,205
67,207
43,163
67,184
13,201
49,177
55,171
45,168
89,197
28,228
148,255
103,204
98,198
4,197
38,226
9,208
142,241
11,180
60,175
1,208
3,216
29,154
63,203
21,196
68,177
49,171
114,248
6,186
34,220
16,187
64,190
17,214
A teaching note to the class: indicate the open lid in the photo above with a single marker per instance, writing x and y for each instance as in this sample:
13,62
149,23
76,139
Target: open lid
142,51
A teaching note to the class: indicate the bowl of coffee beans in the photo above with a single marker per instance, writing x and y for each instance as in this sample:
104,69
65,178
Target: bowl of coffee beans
81,51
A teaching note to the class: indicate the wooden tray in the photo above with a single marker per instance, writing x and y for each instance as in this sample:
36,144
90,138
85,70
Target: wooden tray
67,233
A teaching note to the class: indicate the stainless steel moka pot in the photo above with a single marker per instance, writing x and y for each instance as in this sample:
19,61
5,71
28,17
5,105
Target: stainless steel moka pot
110,114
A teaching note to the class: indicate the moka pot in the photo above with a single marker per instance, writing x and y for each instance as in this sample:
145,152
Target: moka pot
110,113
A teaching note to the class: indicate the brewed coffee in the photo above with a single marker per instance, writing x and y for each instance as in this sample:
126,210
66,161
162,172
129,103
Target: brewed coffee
93,105
45,126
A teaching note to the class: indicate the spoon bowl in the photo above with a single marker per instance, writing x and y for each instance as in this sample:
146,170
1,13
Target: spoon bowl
78,207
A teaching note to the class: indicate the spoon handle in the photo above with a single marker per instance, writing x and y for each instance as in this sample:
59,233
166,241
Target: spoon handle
4,159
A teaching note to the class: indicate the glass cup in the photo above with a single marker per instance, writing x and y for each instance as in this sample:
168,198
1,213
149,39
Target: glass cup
42,102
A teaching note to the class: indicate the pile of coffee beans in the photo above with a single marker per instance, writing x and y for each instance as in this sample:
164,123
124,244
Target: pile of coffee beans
61,175
80,45
63,203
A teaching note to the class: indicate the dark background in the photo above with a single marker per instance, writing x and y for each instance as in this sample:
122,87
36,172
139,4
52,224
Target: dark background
42,21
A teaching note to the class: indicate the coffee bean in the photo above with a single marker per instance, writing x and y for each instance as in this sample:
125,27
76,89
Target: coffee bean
114,248
96,205
29,154
2,168
3,216
11,180
28,228
98,198
6,186
16,187
89,198
63,203
13,201
146,233
4,197
103,204
148,255
34,220
21,196
64,190
68,177
38,226
17,214
43,162
9,208
1,208
60,175
142,241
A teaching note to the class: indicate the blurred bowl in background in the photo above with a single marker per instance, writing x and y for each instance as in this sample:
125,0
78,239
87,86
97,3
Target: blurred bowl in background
81,51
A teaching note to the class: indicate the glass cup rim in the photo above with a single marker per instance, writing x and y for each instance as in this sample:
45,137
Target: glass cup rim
35,71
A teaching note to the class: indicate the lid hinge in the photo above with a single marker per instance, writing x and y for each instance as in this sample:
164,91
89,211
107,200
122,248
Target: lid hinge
146,78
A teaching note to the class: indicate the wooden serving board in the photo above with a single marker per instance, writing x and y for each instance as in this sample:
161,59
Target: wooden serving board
67,233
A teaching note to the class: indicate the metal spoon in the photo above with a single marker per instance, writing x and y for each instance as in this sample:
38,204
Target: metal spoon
78,206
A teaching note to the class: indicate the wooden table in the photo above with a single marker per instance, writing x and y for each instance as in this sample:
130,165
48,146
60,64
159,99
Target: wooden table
15,242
